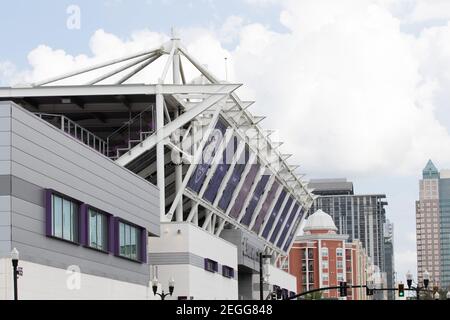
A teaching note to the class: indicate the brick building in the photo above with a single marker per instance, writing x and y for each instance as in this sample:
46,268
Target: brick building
322,258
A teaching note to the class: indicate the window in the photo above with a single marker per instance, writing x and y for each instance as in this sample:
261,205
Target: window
339,252
129,241
98,230
325,277
339,264
64,218
303,266
324,264
324,252
211,265
227,272
340,277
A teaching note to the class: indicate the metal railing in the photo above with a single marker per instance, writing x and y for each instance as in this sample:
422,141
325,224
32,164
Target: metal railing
73,129
133,132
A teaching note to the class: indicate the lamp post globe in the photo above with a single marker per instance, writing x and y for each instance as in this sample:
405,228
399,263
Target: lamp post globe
155,283
409,278
436,295
15,254
426,279
171,285
448,295
15,263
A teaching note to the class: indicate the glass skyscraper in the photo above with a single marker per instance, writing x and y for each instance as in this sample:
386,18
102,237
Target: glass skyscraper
433,226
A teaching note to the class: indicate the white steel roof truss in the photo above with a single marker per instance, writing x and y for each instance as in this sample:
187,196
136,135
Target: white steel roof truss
250,193
198,153
269,185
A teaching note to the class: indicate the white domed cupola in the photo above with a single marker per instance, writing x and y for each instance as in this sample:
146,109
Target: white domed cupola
320,221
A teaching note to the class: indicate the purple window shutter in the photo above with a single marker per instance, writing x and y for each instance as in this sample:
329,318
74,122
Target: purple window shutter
48,212
112,235
84,224
144,241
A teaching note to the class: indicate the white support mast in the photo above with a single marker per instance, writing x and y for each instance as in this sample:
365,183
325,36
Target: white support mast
176,62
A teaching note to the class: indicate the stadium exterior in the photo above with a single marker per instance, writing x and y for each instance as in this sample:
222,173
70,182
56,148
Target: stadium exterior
120,183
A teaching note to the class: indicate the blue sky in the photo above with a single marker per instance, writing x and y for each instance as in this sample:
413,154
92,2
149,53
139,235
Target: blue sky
369,76
28,24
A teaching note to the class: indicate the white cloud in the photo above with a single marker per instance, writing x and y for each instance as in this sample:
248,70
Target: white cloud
426,10
348,91
230,29
7,70
345,88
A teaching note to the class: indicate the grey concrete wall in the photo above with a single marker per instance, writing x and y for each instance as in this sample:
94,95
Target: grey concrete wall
5,181
245,286
41,157
248,246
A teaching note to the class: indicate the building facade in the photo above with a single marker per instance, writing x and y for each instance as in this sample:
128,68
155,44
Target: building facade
361,217
132,174
69,209
322,258
389,258
433,226
356,263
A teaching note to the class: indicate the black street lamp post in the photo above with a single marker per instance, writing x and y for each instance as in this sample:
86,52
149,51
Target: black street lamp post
15,264
426,282
163,295
261,273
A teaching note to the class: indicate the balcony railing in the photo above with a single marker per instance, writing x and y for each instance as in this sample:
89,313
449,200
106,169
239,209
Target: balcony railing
132,133
73,129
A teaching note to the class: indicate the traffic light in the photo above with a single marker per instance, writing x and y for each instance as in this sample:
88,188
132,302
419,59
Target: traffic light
369,291
401,290
343,289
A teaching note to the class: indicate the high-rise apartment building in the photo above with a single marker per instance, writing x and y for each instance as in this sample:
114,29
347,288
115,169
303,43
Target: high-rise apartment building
362,217
433,225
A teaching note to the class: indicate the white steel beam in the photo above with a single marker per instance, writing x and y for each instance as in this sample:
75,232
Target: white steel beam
115,90
197,155
215,162
277,218
272,206
94,67
138,69
226,179
227,219
160,155
269,185
119,70
248,166
286,219
151,141
250,193
220,228
297,214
